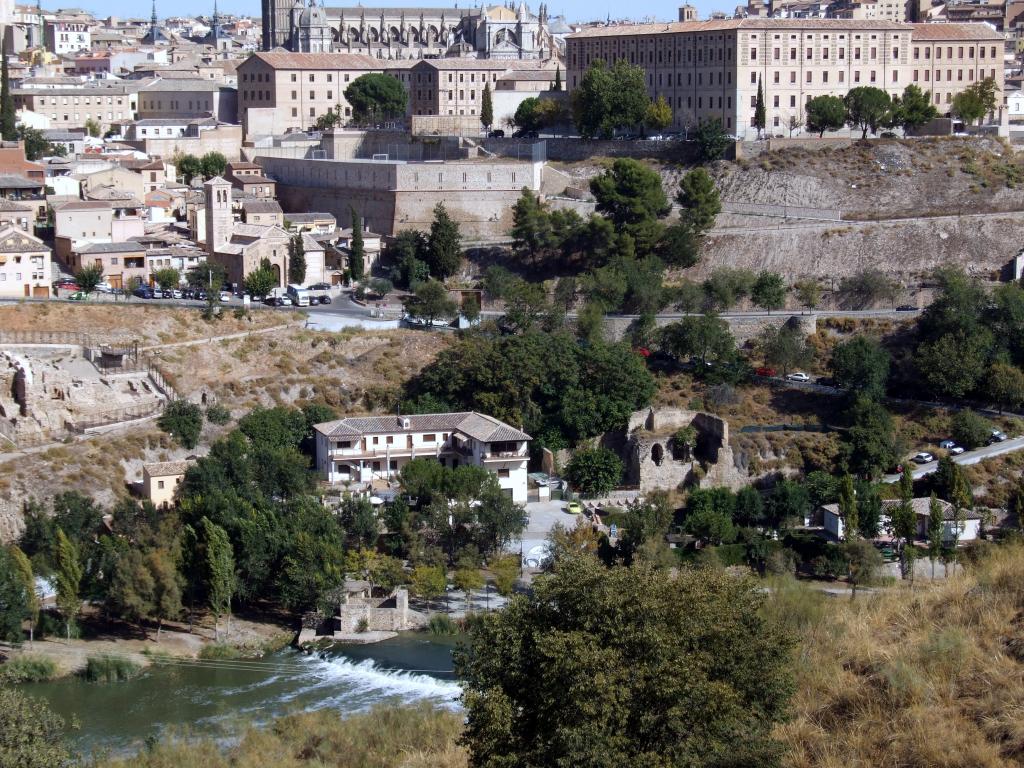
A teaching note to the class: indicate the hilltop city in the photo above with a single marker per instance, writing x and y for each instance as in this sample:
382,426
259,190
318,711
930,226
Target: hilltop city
481,386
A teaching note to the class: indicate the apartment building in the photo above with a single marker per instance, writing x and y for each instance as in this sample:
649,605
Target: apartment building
24,264
187,98
123,263
64,36
103,101
711,69
96,221
368,449
280,91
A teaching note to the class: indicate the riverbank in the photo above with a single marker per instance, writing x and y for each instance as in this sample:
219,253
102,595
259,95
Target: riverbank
248,637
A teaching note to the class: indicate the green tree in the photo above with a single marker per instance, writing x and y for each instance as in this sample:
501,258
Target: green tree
167,591
183,421
33,736
867,108
1004,385
431,302
726,286
22,567
219,571
470,308
953,364
297,260
8,116
36,145
760,113
357,252
936,527
528,115
785,347
532,235
969,429
88,278
711,140
902,522
167,278
506,573
188,167
429,582
595,471
769,291
870,446
914,109
530,671
808,292
679,246
976,101
658,115
486,107
867,287
93,128
261,281
376,96
631,195
848,507
861,365
864,563
609,98
825,113
408,253
705,338
558,79
444,245
213,164
468,579
699,200
14,599
68,573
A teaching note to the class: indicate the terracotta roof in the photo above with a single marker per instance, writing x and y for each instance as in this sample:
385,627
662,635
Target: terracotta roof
925,32
722,25
261,206
167,468
284,60
921,506
475,425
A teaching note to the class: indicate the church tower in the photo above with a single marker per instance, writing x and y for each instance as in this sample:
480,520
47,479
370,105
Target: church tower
219,219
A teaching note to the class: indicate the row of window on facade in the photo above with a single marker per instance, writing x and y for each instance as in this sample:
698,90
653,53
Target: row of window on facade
174,105
99,116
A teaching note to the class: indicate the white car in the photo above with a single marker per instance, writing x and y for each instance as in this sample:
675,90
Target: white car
798,376
998,436
956,450
175,293
225,295
923,458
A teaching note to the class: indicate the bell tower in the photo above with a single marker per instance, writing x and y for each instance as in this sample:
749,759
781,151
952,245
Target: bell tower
217,194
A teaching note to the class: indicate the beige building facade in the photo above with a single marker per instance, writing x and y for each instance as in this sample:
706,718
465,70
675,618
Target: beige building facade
71,107
24,265
160,481
711,69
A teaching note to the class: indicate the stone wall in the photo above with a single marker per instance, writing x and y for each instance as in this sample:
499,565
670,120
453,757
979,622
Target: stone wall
574,150
226,139
390,614
743,327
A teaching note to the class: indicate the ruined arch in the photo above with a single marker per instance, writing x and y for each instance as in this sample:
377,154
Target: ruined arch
657,454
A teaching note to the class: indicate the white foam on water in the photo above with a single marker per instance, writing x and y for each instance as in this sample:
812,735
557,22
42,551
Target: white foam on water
366,679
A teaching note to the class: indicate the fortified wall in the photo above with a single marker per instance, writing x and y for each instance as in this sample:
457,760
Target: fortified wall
743,327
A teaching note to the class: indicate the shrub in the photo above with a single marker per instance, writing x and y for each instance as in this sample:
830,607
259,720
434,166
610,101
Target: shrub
595,471
110,669
27,669
183,420
220,651
442,624
218,414
969,429
363,625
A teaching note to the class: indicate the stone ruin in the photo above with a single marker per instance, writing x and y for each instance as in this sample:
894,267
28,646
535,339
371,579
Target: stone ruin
657,460
47,391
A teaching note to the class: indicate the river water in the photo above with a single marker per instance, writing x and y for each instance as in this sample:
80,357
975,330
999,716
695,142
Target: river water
216,698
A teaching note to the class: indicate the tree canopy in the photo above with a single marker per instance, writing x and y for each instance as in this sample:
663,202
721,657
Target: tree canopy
609,98
825,113
376,96
867,108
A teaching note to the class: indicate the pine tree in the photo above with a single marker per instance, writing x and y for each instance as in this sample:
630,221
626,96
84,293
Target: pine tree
444,246
296,260
357,253
558,79
23,567
220,572
69,579
487,107
760,113
936,521
8,119
848,508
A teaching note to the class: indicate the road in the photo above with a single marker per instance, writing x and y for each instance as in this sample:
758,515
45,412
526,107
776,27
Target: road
967,458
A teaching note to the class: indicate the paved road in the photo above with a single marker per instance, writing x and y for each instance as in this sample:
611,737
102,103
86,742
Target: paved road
967,458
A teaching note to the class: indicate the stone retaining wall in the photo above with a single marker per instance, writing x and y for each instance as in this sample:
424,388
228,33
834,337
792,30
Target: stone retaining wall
743,328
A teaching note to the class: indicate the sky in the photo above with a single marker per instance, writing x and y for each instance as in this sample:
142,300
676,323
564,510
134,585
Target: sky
574,10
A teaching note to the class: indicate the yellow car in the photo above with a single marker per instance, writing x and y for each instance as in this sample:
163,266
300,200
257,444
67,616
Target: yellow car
574,508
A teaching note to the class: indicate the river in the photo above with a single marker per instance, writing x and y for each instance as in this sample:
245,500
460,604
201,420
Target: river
215,698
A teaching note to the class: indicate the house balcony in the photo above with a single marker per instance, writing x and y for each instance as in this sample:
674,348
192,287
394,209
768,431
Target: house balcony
385,452
505,455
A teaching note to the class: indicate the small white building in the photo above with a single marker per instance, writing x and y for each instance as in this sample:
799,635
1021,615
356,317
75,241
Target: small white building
364,449
1015,104
969,531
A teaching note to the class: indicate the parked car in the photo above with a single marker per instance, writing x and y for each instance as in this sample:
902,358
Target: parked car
956,450
188,293
525,135
998,436
764,370
906,308
176,294
923,458
496,134
67,285
144,292
104,288
200,294
78,296
414,322
325,299
225,296
947,444
798,376
574,508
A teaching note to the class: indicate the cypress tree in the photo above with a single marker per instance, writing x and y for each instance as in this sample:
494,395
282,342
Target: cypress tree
8,127
760,114
444,246
296,260
558,79
220,571
69,579
486,107
357,253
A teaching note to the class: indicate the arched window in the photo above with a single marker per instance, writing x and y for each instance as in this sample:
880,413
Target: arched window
657,454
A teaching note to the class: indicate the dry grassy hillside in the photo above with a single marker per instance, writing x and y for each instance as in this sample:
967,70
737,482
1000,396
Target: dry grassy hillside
147,324
925,676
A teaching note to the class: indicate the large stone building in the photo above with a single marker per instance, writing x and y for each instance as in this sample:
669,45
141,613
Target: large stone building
408,33
711,69
106,102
